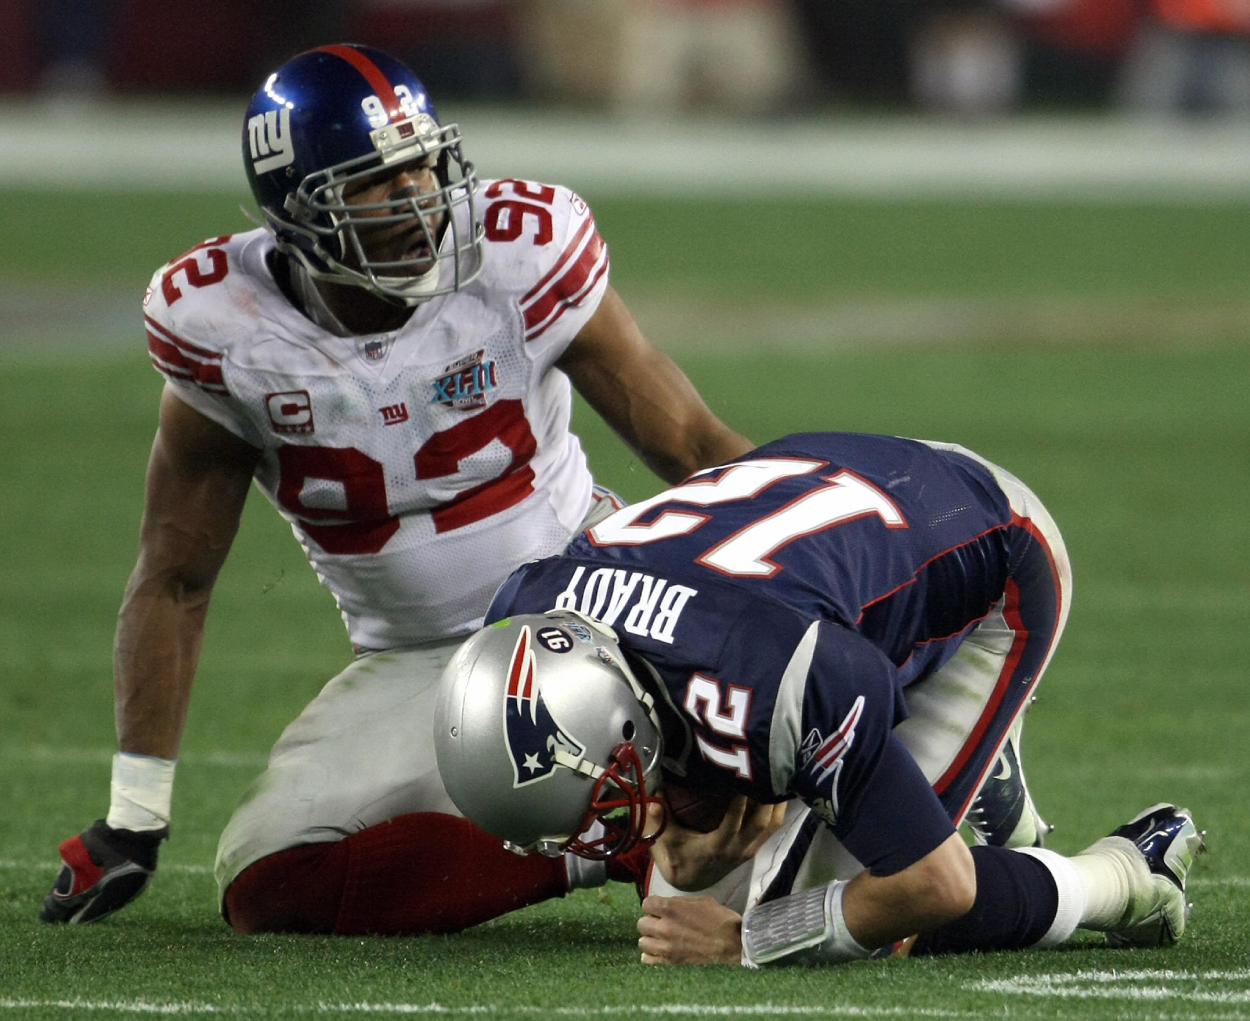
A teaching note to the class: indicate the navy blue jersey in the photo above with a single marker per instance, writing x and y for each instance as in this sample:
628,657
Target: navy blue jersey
785,601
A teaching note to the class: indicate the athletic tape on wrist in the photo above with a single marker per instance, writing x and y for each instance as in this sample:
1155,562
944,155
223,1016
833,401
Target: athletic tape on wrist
803,928
142,788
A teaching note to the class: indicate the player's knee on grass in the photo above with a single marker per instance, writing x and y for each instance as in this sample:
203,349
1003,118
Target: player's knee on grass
423,872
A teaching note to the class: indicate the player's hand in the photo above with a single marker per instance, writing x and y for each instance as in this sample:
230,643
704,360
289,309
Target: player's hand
689,930
691,860
104,869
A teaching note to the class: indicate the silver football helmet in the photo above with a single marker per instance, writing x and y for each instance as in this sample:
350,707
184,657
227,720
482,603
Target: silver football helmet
541,728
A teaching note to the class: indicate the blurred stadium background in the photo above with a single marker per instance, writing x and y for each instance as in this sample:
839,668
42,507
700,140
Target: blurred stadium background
749,56
1018,224
1070,101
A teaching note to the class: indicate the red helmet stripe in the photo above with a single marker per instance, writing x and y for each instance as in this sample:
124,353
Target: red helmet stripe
372,74
516,670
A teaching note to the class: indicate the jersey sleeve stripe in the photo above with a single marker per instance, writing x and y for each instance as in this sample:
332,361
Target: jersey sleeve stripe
180,359
571,289
785,735
561,262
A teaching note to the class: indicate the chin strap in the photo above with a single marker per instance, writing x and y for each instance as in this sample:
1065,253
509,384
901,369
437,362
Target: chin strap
577,763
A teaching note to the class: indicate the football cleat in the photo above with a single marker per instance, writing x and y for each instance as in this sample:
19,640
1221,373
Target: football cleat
1003,813
1159,845
103,869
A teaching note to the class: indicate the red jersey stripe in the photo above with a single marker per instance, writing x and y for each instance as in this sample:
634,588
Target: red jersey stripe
1011,613
566,305
568,289
170,360
517,667
185,346
372,74
565,256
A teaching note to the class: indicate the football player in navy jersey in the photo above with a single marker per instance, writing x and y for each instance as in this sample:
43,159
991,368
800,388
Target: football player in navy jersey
819,653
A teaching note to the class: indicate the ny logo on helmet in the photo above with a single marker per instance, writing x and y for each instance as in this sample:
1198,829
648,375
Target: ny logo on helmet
532,734
269,135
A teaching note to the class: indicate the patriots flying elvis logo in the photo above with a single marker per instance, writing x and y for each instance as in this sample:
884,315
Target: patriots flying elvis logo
530,731
824,757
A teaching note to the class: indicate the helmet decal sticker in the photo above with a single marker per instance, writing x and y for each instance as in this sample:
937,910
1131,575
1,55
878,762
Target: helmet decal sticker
530,731
269,135
554,639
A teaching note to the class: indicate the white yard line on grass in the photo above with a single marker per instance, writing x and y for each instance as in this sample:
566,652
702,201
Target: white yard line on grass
487,1010
1140,985
497,1010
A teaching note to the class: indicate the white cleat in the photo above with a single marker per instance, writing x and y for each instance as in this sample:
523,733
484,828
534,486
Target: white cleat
1157,849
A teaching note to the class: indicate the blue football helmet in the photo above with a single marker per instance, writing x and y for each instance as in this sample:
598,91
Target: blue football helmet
321,127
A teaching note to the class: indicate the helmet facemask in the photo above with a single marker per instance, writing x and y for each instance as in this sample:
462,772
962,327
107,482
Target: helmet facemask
545,738
333,233
620,802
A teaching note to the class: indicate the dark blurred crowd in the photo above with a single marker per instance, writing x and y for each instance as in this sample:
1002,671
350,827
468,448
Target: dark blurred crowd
961,57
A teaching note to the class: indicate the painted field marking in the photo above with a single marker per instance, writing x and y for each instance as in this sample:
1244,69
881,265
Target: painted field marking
486,1010
1147,984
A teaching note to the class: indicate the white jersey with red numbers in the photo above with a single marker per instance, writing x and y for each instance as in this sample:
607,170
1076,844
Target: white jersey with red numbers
417,467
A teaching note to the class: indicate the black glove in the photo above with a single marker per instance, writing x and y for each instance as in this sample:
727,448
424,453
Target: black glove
105,869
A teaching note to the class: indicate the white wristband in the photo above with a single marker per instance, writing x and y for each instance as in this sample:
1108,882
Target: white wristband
803,928
142,788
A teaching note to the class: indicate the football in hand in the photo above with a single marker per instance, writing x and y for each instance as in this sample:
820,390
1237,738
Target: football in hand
701,811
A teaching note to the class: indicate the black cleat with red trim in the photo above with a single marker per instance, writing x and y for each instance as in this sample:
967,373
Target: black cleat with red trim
103,870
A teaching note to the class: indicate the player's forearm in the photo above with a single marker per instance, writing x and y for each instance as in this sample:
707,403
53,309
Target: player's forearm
678,435
157,647
674,432
934,891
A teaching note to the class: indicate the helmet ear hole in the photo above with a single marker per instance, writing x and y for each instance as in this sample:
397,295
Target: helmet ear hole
627,731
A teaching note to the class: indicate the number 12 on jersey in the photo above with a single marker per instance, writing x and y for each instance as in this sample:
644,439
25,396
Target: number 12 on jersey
840,498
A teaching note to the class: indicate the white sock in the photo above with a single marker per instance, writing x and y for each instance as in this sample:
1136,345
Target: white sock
1073,894
1108,870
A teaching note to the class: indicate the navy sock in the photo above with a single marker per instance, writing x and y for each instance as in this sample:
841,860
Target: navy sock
1015,906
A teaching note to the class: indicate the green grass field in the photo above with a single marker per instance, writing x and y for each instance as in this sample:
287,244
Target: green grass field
1140,446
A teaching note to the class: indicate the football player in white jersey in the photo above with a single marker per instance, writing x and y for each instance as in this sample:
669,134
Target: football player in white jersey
390,360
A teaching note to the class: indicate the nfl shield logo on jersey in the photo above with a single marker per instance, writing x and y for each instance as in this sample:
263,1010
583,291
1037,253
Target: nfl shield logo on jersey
531,732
